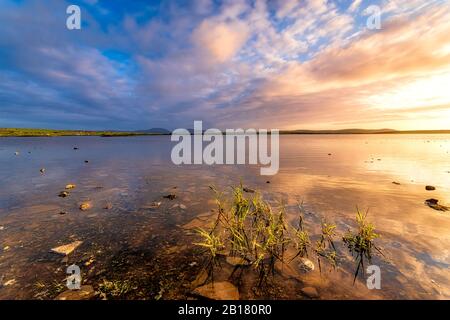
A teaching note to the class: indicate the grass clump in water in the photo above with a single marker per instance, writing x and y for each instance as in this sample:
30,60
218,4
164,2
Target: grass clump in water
116,289
257,235
361,241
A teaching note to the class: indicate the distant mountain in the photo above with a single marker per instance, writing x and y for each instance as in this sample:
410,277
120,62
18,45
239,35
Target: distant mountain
155,131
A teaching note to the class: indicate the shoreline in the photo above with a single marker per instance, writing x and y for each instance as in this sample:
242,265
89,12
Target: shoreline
28,133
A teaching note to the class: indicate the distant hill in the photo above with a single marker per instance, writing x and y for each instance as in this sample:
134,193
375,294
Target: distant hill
155,131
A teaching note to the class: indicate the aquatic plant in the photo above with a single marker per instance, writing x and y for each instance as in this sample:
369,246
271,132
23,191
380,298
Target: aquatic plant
361,241
325,247
252,231
302,241
249,229
46,291
213,245
115,289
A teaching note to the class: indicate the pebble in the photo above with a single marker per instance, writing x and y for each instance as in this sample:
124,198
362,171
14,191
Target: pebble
63,194
85,206
86,292
218,291
310,292
67,248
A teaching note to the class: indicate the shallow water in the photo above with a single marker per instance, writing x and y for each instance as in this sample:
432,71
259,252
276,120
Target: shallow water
150,248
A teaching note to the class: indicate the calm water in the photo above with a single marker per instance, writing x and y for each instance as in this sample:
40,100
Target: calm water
150,248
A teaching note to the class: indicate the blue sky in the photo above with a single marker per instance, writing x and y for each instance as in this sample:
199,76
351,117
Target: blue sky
265,64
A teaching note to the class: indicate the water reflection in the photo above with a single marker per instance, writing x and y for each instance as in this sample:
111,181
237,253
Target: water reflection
332,174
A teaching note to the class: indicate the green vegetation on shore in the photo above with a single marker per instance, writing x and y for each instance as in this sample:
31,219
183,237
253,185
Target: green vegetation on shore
28,132
17,132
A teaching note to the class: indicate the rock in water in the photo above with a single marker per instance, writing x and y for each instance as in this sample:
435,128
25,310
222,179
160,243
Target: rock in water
10,282
42,170
310,292
248,190
171,196
306,265
433,203
430,188
70,186
218,291
85,293
67,248
153,205
85,206
200,280
63,194
236,261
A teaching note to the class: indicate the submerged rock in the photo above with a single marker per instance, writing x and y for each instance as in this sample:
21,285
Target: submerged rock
153,205
310,292
85,293
218,291
85,206
200,280
10,282
63,194
108,206
433,203
67,248
170,196
286,270
430,188
236,261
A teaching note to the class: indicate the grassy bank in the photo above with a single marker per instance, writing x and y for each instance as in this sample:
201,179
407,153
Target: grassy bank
15,132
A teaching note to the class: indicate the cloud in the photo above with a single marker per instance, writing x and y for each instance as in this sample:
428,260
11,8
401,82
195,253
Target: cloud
220,41
275,64
355,5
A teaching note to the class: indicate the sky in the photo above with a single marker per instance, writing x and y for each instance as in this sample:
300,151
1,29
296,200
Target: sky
287,64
